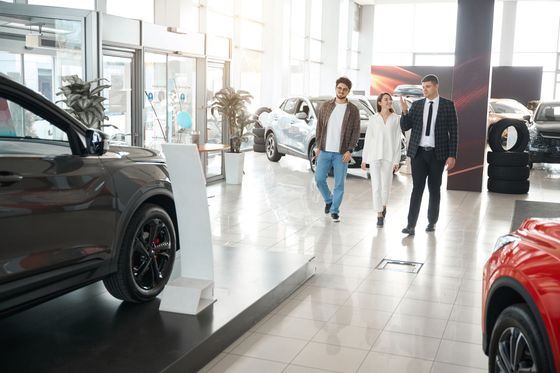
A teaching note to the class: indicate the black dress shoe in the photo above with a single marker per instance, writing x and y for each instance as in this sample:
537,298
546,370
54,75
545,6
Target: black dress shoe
409,231
431,228
384,212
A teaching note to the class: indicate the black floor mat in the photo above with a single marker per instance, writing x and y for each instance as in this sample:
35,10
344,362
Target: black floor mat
533,209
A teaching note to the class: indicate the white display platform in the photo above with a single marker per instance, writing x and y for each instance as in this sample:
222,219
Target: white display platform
192,290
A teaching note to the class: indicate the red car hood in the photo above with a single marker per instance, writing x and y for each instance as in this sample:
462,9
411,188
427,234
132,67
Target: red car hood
545,231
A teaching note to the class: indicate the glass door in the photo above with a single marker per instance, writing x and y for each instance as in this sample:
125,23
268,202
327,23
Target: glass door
118,69
215,80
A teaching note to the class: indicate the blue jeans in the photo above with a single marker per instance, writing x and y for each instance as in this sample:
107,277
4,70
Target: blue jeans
325,161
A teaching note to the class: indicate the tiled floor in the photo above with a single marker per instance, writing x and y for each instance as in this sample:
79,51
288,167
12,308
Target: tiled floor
351,317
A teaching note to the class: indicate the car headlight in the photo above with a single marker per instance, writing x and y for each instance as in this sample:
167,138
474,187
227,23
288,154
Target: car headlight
504,240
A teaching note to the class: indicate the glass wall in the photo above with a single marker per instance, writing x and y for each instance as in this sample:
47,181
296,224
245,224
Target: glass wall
55,50
118,71
536,42
400,33
169,99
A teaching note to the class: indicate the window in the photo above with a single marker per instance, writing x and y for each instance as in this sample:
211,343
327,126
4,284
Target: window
290,106
34,134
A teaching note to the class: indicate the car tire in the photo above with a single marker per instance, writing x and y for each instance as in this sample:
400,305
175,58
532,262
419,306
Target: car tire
508,186
508,159
258,140
311,157
495,139
272,148
146,256
516,323
259,132
515,173
259,148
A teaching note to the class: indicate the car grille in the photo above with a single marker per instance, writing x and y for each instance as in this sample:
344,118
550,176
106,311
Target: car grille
550,135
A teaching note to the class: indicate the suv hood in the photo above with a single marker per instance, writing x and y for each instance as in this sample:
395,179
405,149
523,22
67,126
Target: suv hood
550,128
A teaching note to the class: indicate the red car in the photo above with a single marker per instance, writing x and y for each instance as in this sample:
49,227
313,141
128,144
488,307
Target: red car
521,300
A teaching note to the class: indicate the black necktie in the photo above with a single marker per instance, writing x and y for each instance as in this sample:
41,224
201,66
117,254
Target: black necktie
429,118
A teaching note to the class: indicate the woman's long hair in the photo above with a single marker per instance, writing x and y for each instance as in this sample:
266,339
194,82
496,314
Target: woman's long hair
379,98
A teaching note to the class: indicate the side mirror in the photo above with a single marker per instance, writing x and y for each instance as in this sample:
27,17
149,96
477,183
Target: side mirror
301,115
97,142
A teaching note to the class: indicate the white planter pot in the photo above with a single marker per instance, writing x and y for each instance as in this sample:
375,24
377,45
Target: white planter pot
234,167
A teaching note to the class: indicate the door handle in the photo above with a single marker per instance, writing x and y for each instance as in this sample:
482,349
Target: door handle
7,178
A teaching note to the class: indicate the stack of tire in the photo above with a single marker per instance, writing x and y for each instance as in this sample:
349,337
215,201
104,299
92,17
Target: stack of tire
508,169
258,132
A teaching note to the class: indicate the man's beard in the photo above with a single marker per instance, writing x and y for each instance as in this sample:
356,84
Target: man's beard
340,97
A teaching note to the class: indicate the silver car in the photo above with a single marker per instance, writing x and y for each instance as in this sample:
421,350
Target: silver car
290,128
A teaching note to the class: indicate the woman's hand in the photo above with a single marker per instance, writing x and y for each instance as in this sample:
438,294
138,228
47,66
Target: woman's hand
364,166
396,167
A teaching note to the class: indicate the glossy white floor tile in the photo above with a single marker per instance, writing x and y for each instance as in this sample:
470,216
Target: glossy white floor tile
352,317
331,357
385,363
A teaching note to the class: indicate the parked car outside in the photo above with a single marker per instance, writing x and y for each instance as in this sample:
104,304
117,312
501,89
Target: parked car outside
521,300
544,143
73,211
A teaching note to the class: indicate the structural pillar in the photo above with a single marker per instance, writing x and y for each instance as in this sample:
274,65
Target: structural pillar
471,87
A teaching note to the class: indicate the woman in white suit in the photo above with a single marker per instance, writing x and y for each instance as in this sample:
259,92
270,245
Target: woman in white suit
382,151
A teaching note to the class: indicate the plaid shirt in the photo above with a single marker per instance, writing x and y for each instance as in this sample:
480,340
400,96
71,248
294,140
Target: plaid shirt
445,128
350,126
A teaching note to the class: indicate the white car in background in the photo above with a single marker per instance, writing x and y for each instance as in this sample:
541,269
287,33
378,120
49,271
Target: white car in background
290,128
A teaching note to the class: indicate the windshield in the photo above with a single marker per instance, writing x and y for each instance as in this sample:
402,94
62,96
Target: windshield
509,106
548,112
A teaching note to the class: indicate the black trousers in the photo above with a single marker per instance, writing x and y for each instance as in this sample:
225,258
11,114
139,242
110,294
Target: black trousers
425,165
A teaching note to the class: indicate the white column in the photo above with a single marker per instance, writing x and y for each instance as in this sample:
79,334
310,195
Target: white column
276,47
330,24
366,48
508,32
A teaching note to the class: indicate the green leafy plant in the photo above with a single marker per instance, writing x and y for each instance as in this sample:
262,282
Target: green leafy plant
232,105
83,99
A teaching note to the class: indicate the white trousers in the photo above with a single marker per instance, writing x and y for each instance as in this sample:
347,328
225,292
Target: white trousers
381,172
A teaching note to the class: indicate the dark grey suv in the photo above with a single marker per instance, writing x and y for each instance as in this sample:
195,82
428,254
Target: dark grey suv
73,211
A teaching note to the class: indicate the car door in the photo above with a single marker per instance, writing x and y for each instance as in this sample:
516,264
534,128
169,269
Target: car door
301,128
56,208
285,120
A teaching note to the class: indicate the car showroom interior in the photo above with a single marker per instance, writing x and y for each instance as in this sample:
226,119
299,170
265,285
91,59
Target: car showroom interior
280,186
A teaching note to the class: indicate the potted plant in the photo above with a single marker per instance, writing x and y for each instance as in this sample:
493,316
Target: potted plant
232,105
84,100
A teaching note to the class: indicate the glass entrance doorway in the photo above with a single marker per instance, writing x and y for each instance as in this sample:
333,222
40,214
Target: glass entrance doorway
215,80
118,69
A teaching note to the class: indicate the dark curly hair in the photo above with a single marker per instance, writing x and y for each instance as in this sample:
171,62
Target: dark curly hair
344,80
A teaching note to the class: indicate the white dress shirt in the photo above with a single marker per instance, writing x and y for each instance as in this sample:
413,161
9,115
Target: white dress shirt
431,139
383,140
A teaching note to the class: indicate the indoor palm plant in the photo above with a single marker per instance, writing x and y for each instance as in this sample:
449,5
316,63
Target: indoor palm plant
83,99
232,105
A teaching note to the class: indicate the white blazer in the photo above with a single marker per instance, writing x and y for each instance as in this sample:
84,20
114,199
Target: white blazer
383,140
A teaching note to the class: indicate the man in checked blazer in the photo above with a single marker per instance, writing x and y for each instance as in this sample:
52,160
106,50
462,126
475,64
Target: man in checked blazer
432,146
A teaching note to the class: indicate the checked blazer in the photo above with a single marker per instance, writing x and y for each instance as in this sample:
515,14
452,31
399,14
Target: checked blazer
445,128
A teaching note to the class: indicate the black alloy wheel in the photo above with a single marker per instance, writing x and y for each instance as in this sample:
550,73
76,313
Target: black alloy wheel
151,254
516,346
146,258
514,353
